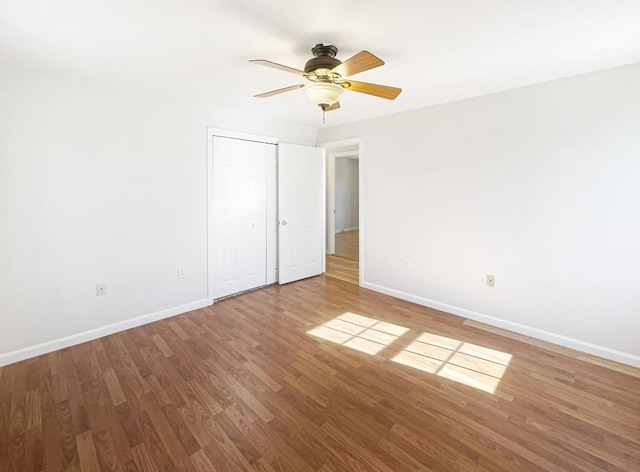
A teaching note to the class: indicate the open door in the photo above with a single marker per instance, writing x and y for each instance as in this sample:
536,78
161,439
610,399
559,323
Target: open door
301,212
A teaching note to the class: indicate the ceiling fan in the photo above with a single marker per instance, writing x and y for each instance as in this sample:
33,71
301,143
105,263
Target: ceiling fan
329,77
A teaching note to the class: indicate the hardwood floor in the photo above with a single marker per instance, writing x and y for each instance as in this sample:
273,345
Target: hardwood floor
319,375
343,269
347,244
343,264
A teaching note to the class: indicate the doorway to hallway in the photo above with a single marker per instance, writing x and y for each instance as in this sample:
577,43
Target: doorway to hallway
344,210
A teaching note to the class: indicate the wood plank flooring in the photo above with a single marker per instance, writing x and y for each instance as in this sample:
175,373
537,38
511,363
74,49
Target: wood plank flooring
343,269
347,244
243,386
343,264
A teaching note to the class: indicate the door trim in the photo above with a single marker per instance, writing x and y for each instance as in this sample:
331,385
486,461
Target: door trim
359,141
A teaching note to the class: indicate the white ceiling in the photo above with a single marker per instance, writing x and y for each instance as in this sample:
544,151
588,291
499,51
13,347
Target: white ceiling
437,51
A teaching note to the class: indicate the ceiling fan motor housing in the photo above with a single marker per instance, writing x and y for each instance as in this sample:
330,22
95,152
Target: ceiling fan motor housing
324,58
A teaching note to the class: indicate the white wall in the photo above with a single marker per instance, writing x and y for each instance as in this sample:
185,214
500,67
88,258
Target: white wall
100,184
539,186
346,185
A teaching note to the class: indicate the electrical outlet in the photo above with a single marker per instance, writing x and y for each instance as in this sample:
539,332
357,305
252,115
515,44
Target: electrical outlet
407,263
182,273
101,289
491,281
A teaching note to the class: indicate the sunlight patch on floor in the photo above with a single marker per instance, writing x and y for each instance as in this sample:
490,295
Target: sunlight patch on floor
469,364
359,332
466,363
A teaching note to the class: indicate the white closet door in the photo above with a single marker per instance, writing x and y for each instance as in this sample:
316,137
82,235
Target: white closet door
301,204
239,214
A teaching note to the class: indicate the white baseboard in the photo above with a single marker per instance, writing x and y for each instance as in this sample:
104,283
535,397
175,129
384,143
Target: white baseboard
600,351
61,343
346,230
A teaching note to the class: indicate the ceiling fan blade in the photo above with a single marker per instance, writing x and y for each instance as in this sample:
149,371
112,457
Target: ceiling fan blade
277,91
383,91
335,106
275,65
362,61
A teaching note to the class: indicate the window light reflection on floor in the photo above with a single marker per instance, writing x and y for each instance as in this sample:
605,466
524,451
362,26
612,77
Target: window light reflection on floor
472,365
463,362
359,332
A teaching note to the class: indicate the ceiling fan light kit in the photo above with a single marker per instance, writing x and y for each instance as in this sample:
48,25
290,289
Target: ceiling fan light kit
324,94
329,77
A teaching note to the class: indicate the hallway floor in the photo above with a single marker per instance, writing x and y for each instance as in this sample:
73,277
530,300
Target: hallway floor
343,264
